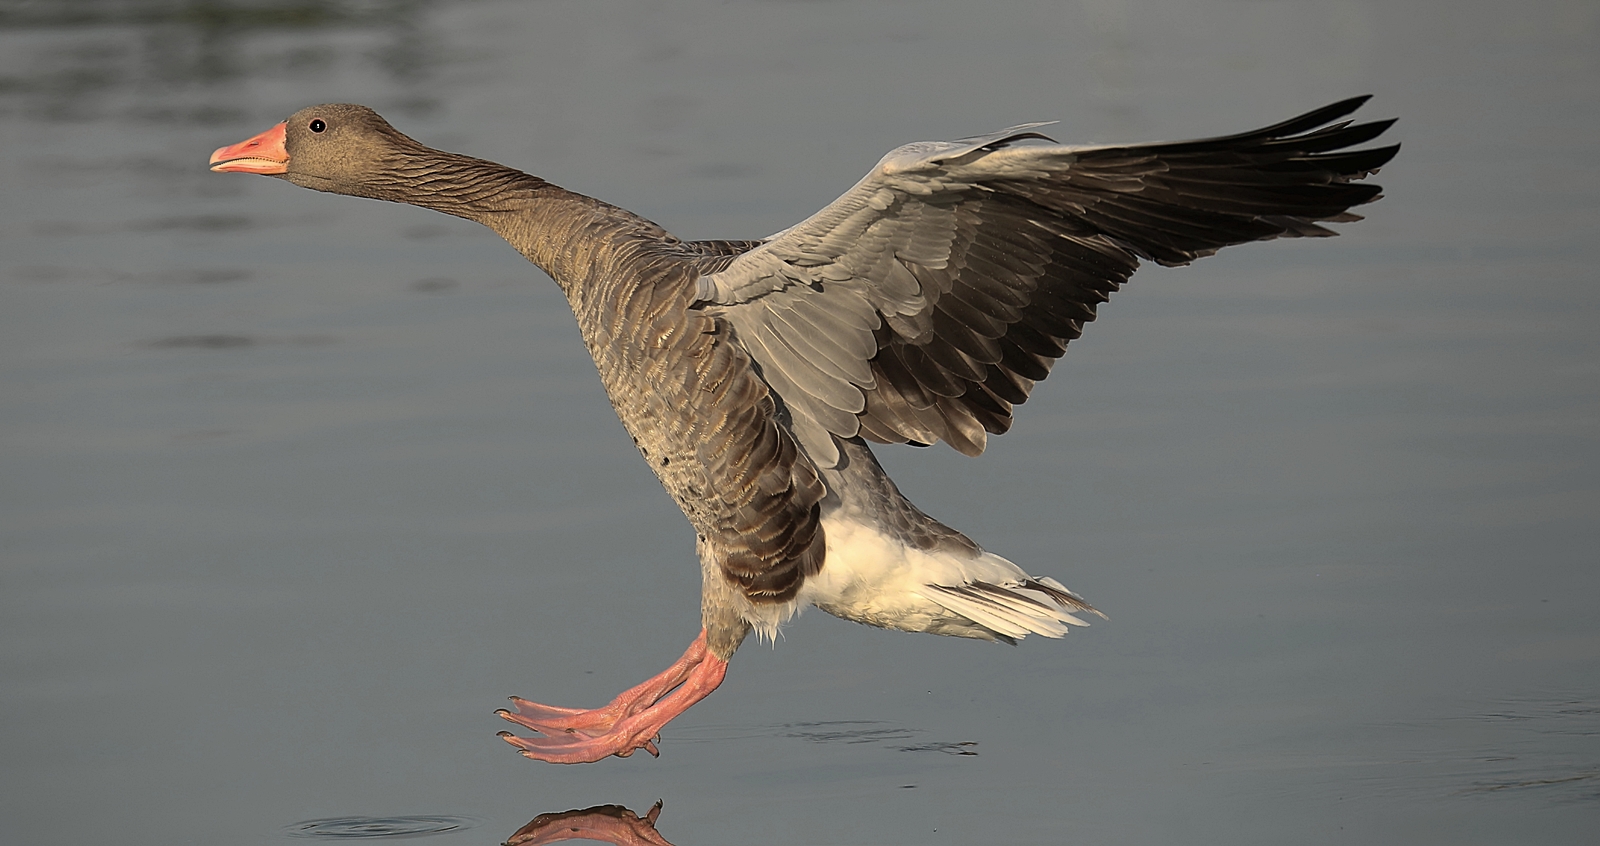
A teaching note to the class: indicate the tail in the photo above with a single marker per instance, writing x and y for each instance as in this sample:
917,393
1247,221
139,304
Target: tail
890,565
1011,610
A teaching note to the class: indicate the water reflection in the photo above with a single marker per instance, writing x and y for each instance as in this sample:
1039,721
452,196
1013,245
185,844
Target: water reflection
603,823
74,60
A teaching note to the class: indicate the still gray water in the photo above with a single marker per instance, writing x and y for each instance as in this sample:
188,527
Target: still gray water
297,488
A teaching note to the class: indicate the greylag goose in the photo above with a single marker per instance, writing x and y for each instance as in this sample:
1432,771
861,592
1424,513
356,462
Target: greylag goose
923,305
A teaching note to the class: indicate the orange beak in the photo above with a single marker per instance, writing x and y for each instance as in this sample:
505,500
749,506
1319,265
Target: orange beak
262,154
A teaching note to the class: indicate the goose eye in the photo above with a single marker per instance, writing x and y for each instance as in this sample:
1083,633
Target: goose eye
317,125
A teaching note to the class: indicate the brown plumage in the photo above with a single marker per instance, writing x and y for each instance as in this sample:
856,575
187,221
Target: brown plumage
921,306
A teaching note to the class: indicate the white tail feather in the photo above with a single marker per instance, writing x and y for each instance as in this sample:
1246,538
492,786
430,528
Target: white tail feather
872,577
1012,610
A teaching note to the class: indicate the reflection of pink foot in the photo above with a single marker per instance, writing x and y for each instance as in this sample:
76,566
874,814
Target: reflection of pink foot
632,721
605,823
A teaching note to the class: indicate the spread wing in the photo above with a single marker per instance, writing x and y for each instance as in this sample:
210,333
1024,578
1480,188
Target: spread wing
926,302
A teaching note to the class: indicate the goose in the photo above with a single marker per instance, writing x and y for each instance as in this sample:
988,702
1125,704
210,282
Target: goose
922,305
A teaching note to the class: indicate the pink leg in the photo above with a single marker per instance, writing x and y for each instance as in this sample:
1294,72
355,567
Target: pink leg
553,720
632,721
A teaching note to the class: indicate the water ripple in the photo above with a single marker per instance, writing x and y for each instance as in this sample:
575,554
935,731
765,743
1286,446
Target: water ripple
339,828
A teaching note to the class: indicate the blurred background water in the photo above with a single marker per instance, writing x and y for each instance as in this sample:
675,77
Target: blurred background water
296,488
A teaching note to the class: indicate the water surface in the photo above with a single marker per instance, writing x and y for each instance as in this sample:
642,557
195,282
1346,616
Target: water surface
297,488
